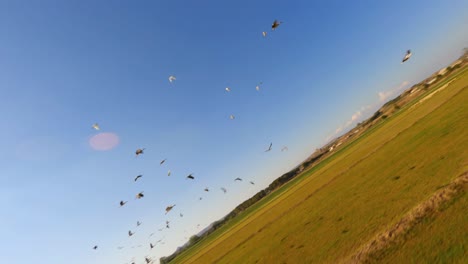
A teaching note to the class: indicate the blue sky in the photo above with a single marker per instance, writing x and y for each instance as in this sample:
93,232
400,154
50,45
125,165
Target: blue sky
65,65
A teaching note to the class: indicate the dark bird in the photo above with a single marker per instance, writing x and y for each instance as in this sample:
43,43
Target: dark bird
140,195
223,189
148,260
122,203
407,56
251,182
151,246
95,247
275,24
190,176
138,177
269,148
138,223
181,215
206,190
169,208
162,161
139,151
130,233
238,179
200,198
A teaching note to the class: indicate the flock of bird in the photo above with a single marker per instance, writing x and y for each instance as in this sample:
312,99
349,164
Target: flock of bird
168,209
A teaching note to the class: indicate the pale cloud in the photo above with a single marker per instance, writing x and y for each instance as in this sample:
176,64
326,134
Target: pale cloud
356,116
384,96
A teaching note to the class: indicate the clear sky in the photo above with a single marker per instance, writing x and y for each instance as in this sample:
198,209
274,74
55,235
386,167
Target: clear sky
65,65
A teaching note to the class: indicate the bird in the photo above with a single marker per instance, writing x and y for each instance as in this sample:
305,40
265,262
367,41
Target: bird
181,215
284,148
162,161
151,234
138,177
237,179
227,89
269,148
169,208
130,233
148,260
264,33
140,195
138,223
232,117
119,248
172,78
95,247
200,198
258,86
190,176
169,173
96,126
207,190
122,203
151,246
275,24
139,151
407,56
251,182
223,189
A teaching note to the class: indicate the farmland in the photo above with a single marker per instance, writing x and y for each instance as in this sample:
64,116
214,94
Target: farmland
330,212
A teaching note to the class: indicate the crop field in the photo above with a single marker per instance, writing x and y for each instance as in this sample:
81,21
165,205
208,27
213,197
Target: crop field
397,193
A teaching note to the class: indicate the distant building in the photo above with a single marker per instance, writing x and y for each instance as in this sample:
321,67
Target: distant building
443,71
431,81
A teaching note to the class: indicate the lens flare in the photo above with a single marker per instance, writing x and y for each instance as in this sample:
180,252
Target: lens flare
104,141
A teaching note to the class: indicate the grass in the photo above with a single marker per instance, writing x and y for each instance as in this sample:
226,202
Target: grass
329,211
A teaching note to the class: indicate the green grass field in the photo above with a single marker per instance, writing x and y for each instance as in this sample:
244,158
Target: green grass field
326,214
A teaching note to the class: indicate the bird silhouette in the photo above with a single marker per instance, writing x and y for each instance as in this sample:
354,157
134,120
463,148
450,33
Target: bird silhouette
122,203
169,208
223,189
138,177
407,56
251,182
162,161
139,152
275,24
172,78
237,179
190,176
140,195
95,247
269,148
96,126
130,233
